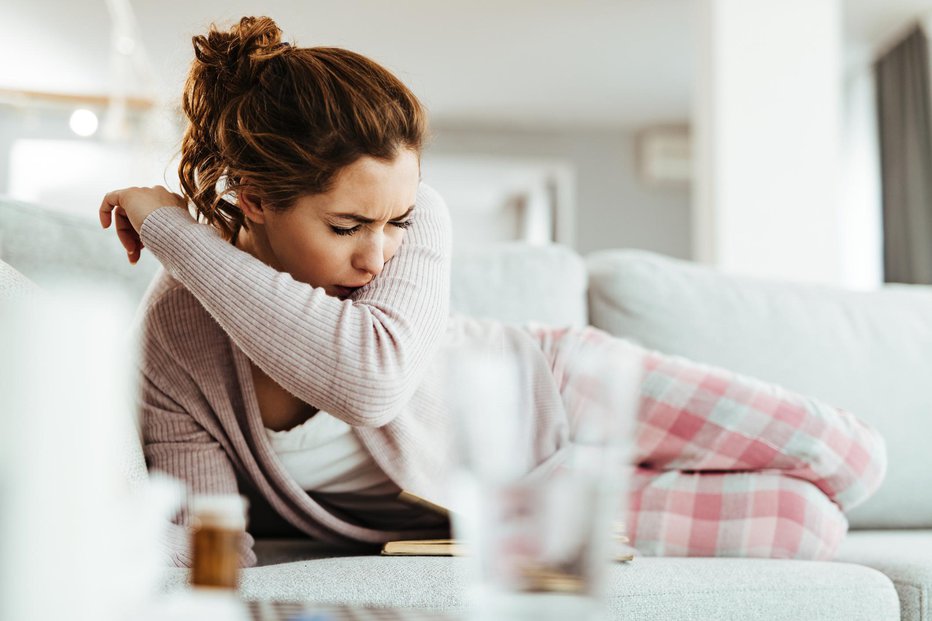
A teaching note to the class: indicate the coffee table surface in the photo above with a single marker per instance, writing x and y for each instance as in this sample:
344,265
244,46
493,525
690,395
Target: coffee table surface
299,611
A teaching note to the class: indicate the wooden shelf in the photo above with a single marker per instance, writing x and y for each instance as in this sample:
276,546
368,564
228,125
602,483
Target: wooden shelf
11,96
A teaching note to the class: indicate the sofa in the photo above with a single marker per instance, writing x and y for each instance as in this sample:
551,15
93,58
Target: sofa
868,352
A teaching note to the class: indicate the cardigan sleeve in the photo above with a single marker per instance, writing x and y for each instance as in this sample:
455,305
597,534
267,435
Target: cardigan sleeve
360,359
176,444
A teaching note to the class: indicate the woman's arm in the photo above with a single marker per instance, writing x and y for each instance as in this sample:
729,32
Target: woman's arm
174,443
359,359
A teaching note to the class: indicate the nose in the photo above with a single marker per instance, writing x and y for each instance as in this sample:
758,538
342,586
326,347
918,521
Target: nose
370,255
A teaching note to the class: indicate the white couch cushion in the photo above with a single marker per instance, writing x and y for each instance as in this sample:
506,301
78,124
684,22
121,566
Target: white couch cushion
518,282
48,246
646,589
905,556
867,352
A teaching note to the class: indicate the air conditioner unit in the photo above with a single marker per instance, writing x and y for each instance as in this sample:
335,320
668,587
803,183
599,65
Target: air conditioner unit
664,156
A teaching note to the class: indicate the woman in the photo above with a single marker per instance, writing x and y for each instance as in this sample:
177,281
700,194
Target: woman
291,345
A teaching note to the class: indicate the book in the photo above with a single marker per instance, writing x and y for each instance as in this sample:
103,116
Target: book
424,547
415,500
452,547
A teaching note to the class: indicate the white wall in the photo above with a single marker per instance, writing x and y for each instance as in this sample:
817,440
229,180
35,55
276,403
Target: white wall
767,122
861,201
494,199
614,209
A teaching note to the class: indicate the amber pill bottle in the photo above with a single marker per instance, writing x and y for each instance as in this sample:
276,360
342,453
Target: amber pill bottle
219,525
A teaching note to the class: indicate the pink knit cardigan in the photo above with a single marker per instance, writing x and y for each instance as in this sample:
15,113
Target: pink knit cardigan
374,361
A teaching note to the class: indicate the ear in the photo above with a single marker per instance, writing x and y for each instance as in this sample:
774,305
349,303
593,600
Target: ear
250,205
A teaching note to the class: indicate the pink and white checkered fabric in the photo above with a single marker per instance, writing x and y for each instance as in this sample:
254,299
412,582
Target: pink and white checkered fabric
726,465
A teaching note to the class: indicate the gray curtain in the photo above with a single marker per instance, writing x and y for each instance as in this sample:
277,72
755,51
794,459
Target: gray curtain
905,123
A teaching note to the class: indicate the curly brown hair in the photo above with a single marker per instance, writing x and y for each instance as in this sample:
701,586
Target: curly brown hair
283,119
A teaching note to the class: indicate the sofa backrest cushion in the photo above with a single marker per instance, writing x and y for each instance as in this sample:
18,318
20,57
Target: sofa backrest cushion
867,352
47,246
13,284
516,282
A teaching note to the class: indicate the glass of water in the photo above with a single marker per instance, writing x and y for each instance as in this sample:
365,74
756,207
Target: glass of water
541,536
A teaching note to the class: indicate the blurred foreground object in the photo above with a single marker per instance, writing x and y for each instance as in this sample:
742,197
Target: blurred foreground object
541,542
79,536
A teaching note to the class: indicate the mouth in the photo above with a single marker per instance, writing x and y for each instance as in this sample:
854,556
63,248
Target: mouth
343,292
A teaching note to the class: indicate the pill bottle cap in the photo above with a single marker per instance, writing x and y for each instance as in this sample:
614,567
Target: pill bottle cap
226,511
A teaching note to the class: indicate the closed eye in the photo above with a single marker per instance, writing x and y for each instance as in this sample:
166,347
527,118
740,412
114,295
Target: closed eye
340,231
403,224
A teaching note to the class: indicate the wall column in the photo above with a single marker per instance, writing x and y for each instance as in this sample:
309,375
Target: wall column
767,131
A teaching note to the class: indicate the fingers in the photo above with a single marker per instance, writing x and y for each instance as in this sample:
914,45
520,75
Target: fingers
111,200
134,255
128,235
109,209
141,202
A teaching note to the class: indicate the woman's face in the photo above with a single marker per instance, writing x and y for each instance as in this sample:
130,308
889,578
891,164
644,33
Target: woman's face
340,240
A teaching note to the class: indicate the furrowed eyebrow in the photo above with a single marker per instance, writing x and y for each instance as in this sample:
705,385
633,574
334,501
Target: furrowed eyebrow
365,220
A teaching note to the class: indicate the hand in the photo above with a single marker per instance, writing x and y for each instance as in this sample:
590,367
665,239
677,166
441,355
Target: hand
131,206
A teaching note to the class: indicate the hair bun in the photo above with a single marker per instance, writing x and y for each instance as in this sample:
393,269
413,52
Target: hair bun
235,57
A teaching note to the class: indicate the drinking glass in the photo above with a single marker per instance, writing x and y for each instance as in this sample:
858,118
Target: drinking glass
541,536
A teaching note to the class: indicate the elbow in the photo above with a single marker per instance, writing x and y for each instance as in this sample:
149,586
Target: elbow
385,382
185,559
374,415
247,555
180,560
176,540
380,406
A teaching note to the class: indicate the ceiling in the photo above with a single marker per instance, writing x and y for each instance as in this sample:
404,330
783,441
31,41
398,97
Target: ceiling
597,63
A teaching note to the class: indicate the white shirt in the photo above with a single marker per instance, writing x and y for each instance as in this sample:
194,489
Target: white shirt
324,455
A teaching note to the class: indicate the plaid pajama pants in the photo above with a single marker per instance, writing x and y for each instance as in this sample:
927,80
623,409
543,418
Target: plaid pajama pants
724,464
